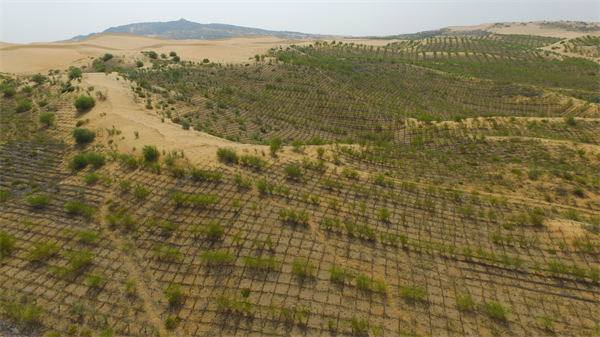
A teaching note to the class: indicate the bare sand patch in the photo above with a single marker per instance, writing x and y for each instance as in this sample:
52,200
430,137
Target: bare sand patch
38,57
529,28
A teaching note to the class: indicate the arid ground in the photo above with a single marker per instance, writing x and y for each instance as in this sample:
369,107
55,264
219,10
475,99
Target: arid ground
445,185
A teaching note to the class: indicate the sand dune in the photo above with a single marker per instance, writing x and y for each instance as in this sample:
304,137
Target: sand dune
529,28
39,57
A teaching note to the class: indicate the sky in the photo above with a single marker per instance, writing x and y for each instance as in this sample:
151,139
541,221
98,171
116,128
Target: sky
25,21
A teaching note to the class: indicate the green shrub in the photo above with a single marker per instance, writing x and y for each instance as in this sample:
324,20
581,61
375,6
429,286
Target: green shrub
80,208
91,178
38,78
95,159
199,174
23,106
217,257
302,267
107,57
130,287
176,59
83,136
7,243
363,282
172,322
4,195
140,192
94,280
47,118
8,91
227,155
139,64
261,263
253,161
570,120
174,293
84,102
465,302
172,54
359,327
152,55
572,214
39,200
24,310
496,311
384,214
167,252
275,144
150,153
88,236
75,73
416,293
185,124
340,275
78,162
293,171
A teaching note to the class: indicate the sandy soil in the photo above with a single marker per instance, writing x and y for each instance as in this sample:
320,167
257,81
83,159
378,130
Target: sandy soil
125,112
530,28
39,57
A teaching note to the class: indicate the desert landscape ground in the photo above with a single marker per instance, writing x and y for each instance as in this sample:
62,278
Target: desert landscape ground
251,186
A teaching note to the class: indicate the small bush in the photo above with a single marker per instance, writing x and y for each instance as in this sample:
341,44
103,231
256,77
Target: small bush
23,106
199,174
227,155
107,57
302,267
465,302
130,287
78,162
7,243
38,78
150,153
293,171
94,280
47,118
75,73
91,178
141,192
185,124
217,257
496,311
39,200
340,275
8,91
4,195
88,236
416,293
83,136
253,161
174,293
84,102
534,174
152,55
172,322
570,120
275,144
95,159
139,64
261,263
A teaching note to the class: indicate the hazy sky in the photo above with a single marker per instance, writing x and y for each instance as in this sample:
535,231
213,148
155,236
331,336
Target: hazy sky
44,21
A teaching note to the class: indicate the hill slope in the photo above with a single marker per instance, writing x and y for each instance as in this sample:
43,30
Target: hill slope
183,29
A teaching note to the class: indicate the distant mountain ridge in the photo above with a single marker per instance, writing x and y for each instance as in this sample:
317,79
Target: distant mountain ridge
183,29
